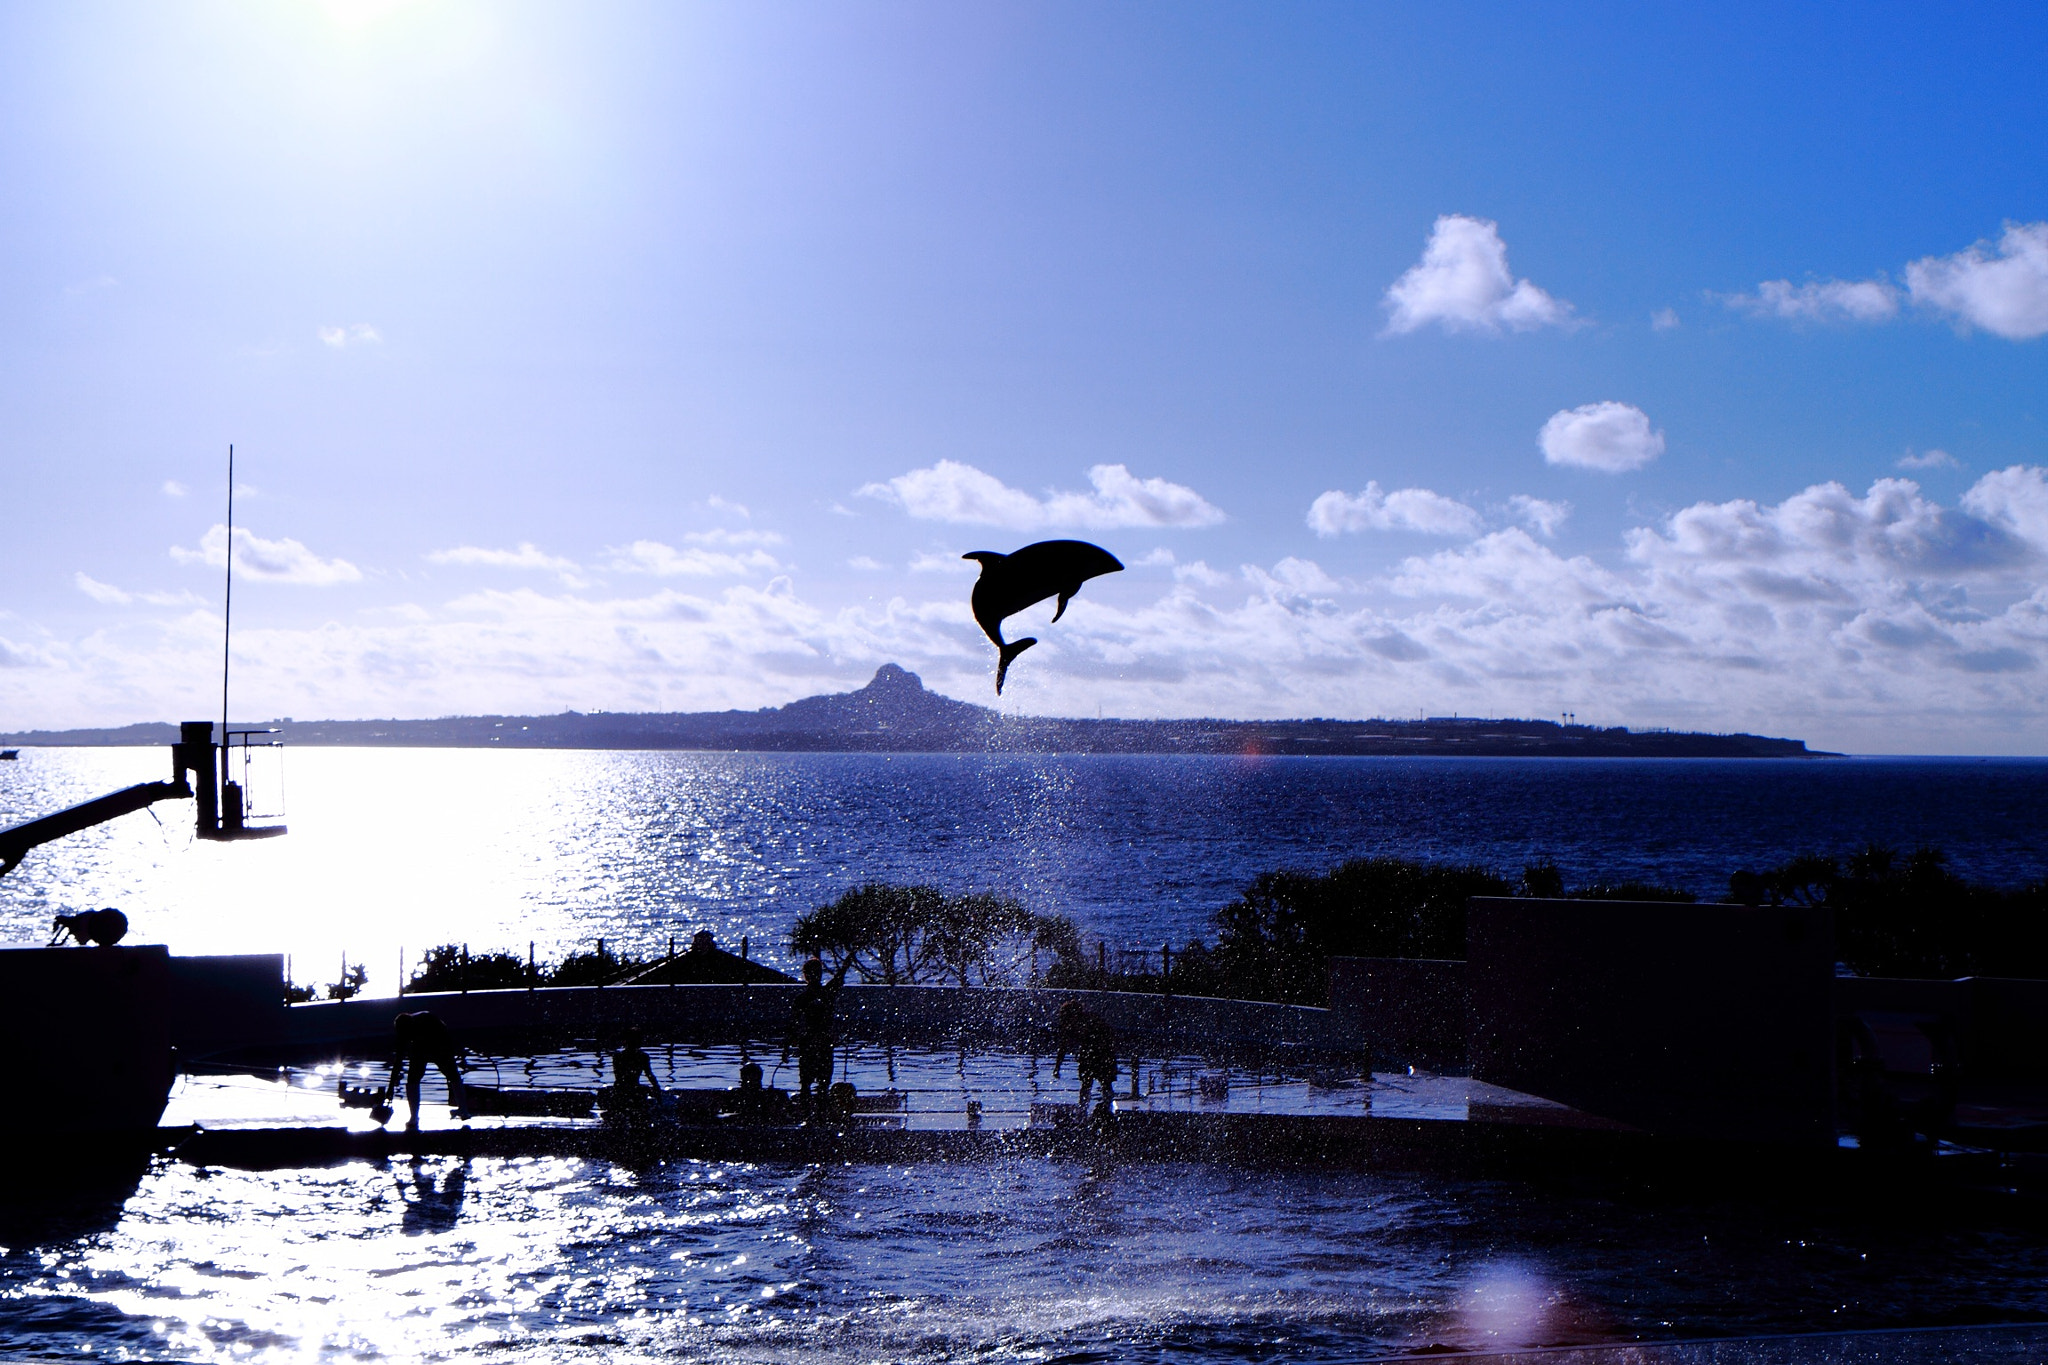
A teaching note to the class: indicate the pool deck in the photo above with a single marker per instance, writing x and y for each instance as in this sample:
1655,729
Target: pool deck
1447,1125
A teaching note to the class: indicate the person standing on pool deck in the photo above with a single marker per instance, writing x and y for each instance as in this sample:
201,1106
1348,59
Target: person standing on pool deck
1093,1043
420,1040
810,1026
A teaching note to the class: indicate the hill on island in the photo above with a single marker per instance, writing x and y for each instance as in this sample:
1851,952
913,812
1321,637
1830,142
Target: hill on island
896,713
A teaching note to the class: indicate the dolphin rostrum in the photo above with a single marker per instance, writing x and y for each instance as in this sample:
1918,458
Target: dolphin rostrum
1009,583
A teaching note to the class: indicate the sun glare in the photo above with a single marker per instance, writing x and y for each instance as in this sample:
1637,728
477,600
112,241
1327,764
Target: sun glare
357,14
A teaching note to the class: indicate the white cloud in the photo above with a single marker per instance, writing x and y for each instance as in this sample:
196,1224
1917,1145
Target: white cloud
2014,499
274,561
1664,320
1821,301
1539,514
174,489
953,492
1463,284
1827,543
2003,290
732,538
727,506
1190,571
527,556
865,563
354,334
1292,577
13,655
120,597
101,592
925,561
1928,459
1613,437
1404,509
665,561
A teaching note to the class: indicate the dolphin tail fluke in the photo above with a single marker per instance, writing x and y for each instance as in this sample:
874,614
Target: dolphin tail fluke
1009,656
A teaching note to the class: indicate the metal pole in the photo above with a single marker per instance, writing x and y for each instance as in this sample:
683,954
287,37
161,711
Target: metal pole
227,616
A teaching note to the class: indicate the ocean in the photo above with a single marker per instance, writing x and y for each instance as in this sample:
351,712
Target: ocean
392,851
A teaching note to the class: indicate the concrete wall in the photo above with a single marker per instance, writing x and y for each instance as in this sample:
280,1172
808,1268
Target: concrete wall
910,1014
91,1044
1711,1021
1410,1011
225,1000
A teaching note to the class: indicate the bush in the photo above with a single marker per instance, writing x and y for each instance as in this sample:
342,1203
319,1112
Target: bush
1275,941
598,968
905,935
1911,916
443,969
351,984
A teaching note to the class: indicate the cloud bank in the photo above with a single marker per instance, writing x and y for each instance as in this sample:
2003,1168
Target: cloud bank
1463,284
959,493
1880,621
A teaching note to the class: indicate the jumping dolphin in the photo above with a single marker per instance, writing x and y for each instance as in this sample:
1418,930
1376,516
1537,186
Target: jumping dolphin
1009,583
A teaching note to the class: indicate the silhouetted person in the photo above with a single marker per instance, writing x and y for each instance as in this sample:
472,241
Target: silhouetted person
1010,583
629,1064
420,1040
103,927
1093,1042
810,1027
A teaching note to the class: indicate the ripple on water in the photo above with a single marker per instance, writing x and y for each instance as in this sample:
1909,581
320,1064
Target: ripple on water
1036,1260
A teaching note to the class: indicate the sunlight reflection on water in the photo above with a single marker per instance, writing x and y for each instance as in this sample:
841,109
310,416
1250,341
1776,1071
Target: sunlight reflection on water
555,1259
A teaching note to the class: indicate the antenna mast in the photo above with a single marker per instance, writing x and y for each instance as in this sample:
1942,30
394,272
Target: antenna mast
227,610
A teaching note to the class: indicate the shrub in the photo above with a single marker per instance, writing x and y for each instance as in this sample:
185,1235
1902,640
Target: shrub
443,969
597,968
1275,941
1911,916
904,935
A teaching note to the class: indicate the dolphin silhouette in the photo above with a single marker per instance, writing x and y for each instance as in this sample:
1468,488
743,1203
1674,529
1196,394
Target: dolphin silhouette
1009,583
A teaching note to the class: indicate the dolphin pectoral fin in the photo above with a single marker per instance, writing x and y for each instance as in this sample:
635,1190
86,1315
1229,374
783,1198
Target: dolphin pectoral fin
1065,598
1008,656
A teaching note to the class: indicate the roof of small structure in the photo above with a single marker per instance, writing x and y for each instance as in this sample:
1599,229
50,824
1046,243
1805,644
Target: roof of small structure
707,964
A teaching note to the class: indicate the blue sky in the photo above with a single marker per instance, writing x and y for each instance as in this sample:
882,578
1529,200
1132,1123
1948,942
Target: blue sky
1666,368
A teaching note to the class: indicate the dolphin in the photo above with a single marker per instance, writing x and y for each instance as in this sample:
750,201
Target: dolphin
1009,583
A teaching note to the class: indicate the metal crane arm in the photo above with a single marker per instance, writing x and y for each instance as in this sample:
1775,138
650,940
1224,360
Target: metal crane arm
18,840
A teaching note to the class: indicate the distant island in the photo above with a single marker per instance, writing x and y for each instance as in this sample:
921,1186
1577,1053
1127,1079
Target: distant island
895,713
